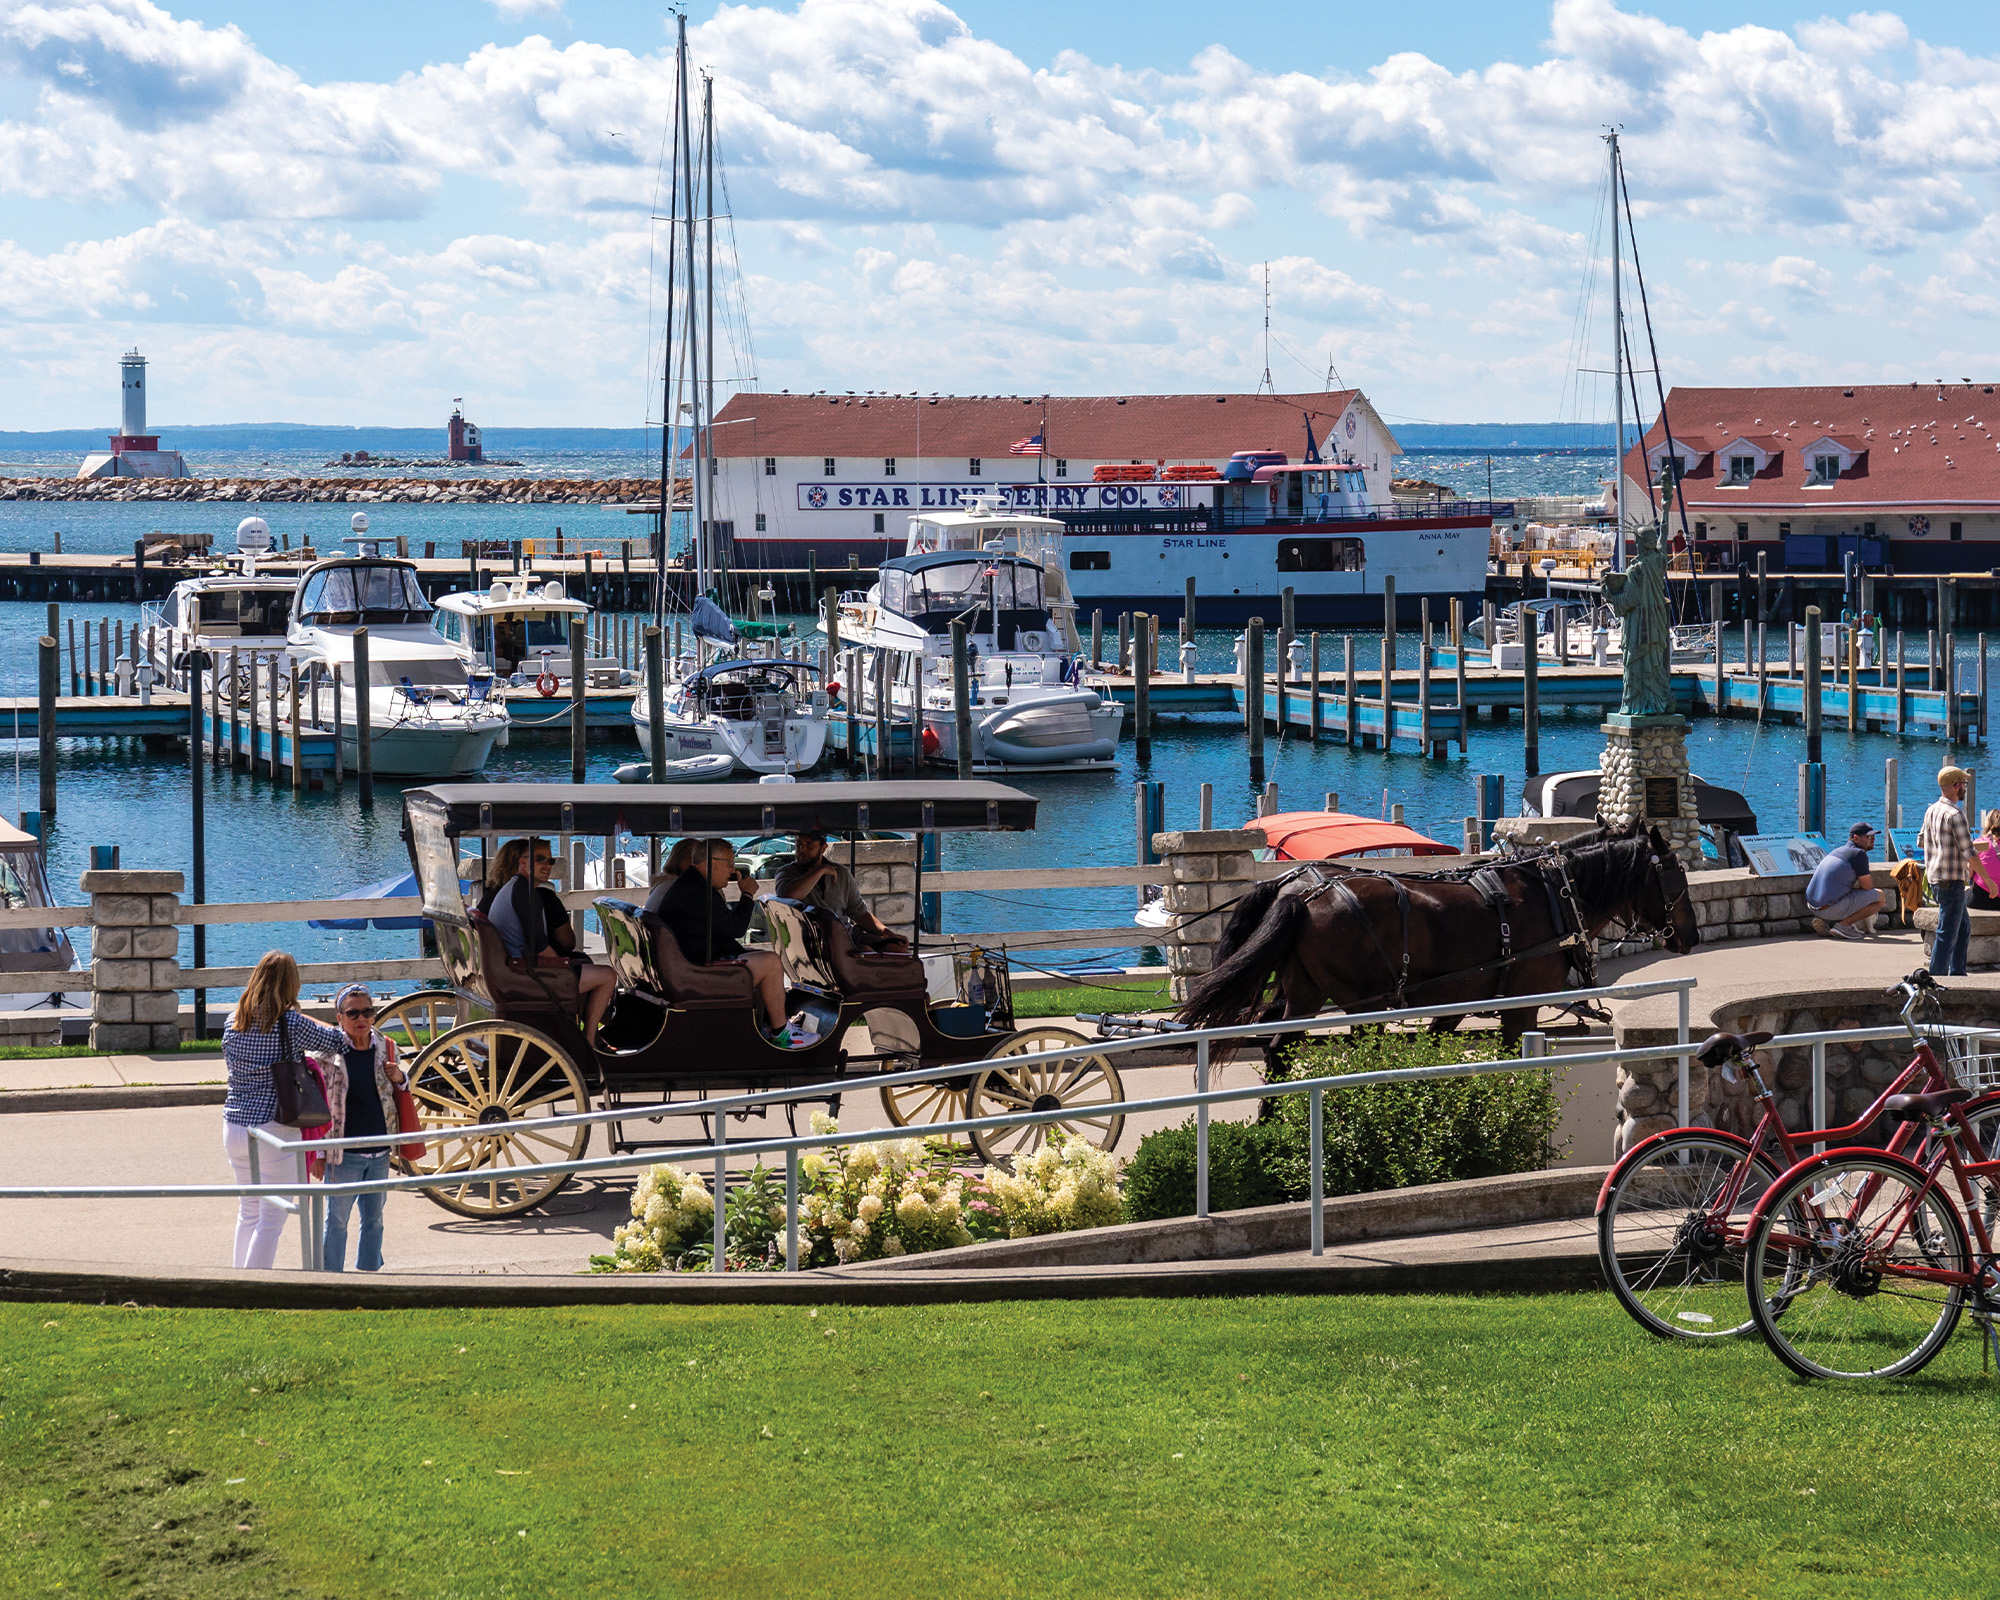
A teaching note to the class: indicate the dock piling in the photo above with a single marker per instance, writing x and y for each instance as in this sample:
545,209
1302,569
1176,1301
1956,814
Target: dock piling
1389,619
656,701
1313,710
1424,688
1142,685
1207,816
298,772
1458,671
579,653
1187,612
1124,641
1347,689
830,602
250,756
1333,800
1097,638
1531,706
880,688
364,724
1892,806
961,693
271,688
1253,696
75,678
47,681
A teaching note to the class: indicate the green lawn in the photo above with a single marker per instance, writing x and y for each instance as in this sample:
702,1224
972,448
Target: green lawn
1139,995
55,1052
1498,1446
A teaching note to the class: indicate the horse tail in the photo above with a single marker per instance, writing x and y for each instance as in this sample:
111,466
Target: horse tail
1260,934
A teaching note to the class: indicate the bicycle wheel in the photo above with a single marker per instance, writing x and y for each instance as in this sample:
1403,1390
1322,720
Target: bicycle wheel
1837,1269
1671,1252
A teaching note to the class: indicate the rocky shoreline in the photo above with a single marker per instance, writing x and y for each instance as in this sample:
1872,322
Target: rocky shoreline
409,491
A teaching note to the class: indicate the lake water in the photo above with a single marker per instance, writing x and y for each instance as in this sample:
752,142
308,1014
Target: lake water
267,843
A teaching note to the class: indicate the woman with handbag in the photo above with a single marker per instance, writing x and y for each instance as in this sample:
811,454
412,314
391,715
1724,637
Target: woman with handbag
272,1088
363,1086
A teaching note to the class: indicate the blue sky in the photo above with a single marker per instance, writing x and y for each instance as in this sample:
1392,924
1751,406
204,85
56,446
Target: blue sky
354,214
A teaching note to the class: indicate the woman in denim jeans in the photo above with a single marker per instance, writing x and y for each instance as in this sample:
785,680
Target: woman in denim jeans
361,1081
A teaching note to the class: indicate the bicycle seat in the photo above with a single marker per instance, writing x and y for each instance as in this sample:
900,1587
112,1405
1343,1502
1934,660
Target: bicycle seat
1922,1107
1723,1046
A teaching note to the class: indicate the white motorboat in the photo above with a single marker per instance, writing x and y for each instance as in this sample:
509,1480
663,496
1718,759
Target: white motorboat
1574,628
221,611
24,886
766,714
519,629
430,713
689,769
998,572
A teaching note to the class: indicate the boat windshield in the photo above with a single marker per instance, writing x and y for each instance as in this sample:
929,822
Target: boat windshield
363,592
250,612
428,673
24,886
956,586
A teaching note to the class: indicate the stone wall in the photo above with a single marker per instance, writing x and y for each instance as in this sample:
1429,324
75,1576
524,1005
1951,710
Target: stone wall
885,870
1210,871
135,969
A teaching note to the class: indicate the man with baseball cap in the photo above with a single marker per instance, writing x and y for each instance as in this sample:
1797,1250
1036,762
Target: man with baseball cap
815,878
1842,897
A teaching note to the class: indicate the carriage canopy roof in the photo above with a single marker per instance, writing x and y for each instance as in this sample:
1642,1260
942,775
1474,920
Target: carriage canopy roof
1324,835
464,810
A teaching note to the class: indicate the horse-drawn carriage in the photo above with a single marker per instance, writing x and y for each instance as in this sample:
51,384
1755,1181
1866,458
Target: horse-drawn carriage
501,1054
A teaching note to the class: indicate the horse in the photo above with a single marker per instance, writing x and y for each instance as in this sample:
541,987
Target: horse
1370,941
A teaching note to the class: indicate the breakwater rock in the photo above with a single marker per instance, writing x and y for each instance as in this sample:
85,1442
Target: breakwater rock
412,491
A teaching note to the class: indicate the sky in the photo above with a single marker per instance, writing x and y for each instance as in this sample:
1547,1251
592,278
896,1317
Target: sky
357,214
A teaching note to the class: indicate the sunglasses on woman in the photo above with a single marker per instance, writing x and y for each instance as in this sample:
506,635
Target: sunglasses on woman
359,1011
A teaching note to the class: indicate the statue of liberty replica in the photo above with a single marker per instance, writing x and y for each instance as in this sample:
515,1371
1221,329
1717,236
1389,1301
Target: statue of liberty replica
1644,765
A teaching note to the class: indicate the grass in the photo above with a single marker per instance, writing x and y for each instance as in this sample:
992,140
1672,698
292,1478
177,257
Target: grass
56,1052
1500,1446
1140,996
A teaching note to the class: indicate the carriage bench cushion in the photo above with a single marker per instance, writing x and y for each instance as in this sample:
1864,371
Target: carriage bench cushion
516,990
685,983
867,976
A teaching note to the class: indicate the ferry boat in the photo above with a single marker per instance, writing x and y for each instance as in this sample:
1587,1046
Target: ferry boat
999,572
765,713
430,713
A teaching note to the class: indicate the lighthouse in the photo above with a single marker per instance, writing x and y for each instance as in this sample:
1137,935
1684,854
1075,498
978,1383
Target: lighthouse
462,438
134,452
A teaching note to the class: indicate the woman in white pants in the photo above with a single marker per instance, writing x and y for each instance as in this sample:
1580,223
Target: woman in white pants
251,1046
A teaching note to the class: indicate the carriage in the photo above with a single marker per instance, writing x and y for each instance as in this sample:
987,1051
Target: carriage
500,1053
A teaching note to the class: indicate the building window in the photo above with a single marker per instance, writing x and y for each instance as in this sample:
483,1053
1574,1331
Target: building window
1701,530
1958,530
1742,468
1742,530
770,466
760,522
888,466
879,527
1062,467
1825,469
829,466
1784,530
1674,465
975,467
1090,561
714,462
1867,530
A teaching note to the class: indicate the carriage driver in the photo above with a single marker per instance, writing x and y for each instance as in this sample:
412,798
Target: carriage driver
820,881
709,929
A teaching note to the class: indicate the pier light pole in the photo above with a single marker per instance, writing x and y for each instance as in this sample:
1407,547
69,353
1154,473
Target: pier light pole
191,665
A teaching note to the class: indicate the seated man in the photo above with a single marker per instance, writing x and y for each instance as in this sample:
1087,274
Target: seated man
709,929
818,880
1842,897
535,929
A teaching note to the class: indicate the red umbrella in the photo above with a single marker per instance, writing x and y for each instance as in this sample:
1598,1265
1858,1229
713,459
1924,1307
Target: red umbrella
1323,835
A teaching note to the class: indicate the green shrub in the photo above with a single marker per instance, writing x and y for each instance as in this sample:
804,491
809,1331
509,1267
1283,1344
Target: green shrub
1382,1136
1159,1179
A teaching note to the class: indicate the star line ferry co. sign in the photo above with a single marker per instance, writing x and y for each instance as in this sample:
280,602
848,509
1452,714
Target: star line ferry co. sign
1014,496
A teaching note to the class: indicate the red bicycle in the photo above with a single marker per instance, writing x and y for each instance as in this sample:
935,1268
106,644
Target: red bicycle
1674,1212
1858,1263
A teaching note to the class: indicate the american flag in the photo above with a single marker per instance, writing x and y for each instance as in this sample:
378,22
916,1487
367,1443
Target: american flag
1030,446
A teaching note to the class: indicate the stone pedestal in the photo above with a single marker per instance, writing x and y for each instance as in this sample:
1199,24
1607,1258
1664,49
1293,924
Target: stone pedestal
1210,871
885,871
135,969
1646,779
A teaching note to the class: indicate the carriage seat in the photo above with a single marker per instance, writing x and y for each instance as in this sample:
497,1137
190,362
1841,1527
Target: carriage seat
688,984
867,975
514,989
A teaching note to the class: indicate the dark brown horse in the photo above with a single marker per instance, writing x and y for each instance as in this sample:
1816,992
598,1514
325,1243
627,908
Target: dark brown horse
1370,941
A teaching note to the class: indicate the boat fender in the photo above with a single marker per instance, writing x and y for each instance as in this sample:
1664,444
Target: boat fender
932,744
548,685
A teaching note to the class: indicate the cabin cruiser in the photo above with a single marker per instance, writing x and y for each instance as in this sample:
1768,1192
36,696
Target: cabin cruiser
220,611
430,713
1028,710
1724,814
765,713
519,629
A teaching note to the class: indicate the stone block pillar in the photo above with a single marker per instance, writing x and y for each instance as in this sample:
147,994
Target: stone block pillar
885,871
1645,779
1210,871
135,969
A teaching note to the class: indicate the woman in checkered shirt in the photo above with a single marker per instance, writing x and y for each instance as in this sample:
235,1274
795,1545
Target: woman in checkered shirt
251,1046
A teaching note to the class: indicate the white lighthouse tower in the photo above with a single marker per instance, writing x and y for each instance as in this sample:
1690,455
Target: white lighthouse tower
134,452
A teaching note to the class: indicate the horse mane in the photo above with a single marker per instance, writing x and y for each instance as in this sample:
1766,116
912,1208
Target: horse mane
1609,871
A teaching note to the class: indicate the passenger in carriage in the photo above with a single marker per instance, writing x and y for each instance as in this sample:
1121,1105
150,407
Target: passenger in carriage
709,930
534,925
818,880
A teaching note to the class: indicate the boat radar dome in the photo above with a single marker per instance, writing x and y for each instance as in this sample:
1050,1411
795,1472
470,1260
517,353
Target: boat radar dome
253,536
553,589
358,522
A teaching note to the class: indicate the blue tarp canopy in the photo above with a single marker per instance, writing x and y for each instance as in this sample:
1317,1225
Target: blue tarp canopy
403,888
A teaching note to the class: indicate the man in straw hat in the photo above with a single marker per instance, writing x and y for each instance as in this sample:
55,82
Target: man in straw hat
1947,846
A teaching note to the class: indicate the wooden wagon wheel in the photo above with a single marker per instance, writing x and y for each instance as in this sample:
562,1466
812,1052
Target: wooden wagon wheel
1080,1084
414,1020
496,1080
916,1105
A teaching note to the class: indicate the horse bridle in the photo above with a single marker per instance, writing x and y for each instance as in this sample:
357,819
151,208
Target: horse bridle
1660,864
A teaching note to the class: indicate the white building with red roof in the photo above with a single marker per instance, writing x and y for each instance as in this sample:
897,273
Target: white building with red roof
841,474
1905,475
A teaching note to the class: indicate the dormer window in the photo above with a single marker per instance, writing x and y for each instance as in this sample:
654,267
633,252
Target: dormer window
1825,469
1742,469
1676,465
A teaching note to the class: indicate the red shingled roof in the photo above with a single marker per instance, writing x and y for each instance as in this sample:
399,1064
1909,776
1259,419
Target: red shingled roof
1144,427
1922,447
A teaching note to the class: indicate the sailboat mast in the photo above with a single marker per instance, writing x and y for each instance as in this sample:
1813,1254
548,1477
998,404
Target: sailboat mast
1617,372
668,416
708,290
698,506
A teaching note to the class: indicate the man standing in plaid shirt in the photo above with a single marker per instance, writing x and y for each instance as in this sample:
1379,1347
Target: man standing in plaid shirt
1947,846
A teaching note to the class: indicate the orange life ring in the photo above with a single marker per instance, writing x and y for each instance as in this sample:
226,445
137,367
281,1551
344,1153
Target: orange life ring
548,686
